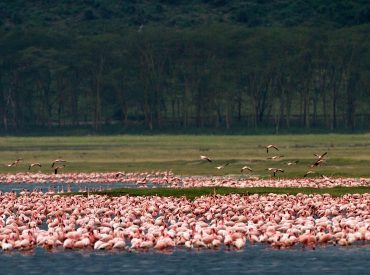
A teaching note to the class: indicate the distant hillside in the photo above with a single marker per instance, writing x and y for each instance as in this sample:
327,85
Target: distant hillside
184,13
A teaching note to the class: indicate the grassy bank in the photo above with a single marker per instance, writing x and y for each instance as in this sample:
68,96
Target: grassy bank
348,155
191,193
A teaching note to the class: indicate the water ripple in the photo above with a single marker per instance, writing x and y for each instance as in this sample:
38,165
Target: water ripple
254,259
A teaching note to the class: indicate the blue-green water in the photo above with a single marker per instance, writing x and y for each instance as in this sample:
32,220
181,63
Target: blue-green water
44,187
253,259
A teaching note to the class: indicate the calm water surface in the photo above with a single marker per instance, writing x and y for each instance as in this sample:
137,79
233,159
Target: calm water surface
17,187
256,259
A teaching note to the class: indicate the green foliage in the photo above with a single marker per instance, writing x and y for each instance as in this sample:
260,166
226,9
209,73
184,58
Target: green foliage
183,65
187,13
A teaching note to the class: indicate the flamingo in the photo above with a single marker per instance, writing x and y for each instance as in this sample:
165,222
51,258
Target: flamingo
34,164
222,166
15,163
246,168
119,174
275,170
205,158
275,157
271,146
57,161
320,156
318,163
56,169
309,172
327,178
78,222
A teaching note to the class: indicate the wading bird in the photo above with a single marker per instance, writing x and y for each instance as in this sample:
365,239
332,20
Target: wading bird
14,163
34,164
275,170
246,168
57,161
292,162
205,158
119,174
58,167
327,179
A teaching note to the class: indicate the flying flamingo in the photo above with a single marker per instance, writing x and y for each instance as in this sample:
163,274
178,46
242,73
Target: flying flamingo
275,170
309,172
222,166
205,158
58,167
15,163
271,146
275,157
246,168
292,162
319,162
57,161
321,156
34,164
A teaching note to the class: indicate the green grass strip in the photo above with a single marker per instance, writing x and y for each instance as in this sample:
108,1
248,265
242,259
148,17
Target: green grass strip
192,193
348,155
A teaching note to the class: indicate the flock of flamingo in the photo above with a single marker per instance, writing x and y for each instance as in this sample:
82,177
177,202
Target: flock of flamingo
168,179
53,221
36,219
319,161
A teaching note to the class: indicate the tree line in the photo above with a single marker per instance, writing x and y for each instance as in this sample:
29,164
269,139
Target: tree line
212,76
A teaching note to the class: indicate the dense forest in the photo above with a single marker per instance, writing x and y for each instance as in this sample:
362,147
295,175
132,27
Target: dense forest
184,65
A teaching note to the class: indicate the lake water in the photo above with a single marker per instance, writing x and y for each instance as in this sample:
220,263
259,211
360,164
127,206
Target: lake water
75,187
255,259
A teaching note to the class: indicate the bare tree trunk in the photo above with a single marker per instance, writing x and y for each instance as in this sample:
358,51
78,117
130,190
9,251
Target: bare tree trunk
123,106
239,104
14,101
314,103
334,108
306,110
325,109
61,91
288,108
199,108
74,108
228,116
97,88
185,105
2,108
351,104
282,108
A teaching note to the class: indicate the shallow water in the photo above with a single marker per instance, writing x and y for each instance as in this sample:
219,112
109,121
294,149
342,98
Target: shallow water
253,259
75,187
